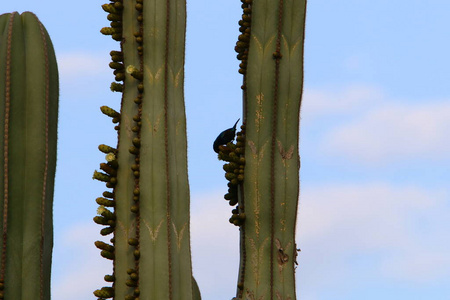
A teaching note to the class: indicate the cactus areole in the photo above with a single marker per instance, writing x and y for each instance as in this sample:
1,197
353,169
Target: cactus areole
29,114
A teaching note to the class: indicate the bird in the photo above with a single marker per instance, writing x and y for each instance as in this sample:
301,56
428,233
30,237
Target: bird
225,137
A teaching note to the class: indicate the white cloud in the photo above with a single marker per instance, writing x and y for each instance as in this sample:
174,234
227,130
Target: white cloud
392,132
82,64
215,246
322,102
349,233
78,268
84,76
364,125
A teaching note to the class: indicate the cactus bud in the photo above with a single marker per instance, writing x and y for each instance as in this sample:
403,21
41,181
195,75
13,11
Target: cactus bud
106,231
101,176
133,71
106,149
116,87
109,8
134,276
100,220
108,30
104,292
133,242
105,202
107,254
107,194
109,112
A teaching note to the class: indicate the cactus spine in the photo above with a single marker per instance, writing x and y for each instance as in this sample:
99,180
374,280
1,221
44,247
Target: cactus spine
270,48
29,114
149,201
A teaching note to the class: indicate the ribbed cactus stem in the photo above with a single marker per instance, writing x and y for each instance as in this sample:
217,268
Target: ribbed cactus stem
29,113
271,50
151,255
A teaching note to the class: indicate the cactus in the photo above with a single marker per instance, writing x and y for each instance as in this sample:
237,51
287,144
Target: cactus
270,48
29,114
147,206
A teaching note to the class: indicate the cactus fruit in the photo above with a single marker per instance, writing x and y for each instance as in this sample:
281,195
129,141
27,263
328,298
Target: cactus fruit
29,115
270,48
147,209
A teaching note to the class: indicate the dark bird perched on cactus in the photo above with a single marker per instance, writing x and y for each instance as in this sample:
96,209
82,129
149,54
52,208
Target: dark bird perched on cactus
225,137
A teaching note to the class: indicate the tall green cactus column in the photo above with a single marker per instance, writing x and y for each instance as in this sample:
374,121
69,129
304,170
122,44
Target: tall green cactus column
266,190
29,114
274,80
147,171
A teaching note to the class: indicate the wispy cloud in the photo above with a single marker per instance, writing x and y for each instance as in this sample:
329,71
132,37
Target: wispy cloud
84,75
364,125
326,101
215,246
84,64
78,268
349,233
395,131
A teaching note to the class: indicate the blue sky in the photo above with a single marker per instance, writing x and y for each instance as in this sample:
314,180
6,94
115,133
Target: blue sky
375,152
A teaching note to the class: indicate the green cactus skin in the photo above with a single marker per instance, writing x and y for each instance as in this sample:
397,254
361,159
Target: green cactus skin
151,244
29,115
271,50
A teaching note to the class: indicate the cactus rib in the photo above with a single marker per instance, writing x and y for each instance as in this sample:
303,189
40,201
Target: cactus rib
277,57
6,148
166,147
